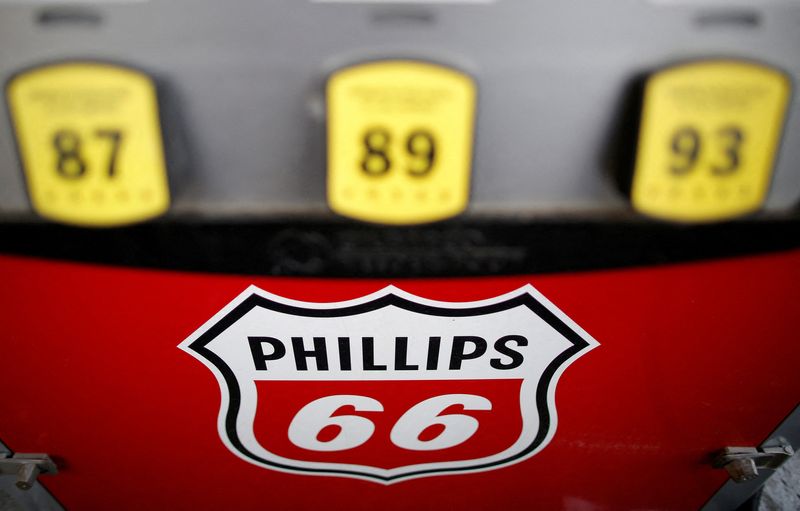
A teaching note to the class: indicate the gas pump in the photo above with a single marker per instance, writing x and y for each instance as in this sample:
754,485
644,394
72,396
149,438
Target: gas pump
355,255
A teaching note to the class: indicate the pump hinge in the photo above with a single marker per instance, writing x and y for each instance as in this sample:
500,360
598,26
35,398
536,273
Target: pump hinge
742,463
26,467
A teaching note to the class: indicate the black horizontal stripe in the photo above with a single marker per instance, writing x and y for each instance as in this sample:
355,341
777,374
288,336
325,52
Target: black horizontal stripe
340,248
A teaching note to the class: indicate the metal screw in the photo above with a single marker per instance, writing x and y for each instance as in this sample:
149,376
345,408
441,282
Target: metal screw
27,476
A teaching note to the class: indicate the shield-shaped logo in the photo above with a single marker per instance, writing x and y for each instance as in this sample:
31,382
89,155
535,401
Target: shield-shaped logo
389,386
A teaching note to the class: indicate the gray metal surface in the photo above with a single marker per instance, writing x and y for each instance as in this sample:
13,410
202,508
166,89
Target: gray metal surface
248,77
733,494
782,491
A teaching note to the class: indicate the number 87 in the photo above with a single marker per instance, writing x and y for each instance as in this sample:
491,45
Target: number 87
69,161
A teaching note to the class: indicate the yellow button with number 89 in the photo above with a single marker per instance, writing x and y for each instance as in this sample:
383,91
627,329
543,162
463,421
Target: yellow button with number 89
707,141
399,141
90,143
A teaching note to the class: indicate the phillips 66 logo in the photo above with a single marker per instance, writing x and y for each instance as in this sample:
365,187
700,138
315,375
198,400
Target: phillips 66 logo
389,386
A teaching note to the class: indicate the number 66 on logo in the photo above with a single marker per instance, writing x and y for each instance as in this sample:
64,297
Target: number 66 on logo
422,428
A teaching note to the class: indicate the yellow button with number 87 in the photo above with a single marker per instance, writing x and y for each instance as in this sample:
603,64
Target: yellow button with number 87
399,141
707,140
90,143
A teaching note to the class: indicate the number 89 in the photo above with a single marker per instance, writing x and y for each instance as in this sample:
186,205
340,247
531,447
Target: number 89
419,144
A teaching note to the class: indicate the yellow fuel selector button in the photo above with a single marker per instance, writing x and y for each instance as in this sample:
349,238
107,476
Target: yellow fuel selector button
400,137
708,137
90,143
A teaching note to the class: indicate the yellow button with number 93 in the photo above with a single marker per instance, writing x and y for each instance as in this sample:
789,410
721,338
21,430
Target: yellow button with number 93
90,143
399,141
707,141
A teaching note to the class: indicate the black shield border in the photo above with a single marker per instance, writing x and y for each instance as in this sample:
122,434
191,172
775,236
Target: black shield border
390,299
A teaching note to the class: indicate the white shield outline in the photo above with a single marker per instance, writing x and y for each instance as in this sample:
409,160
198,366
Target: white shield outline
580,343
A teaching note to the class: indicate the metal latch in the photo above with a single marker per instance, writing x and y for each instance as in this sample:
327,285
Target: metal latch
742,463
26,467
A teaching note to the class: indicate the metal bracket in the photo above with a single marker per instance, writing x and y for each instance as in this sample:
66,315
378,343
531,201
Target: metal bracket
26,467
742,463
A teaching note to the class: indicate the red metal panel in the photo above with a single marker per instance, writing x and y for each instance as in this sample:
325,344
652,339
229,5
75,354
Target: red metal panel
692,357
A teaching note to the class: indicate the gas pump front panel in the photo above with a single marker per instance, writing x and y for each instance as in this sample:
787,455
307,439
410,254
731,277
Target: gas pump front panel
607,388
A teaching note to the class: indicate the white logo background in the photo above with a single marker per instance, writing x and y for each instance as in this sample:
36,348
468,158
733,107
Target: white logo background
221,344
